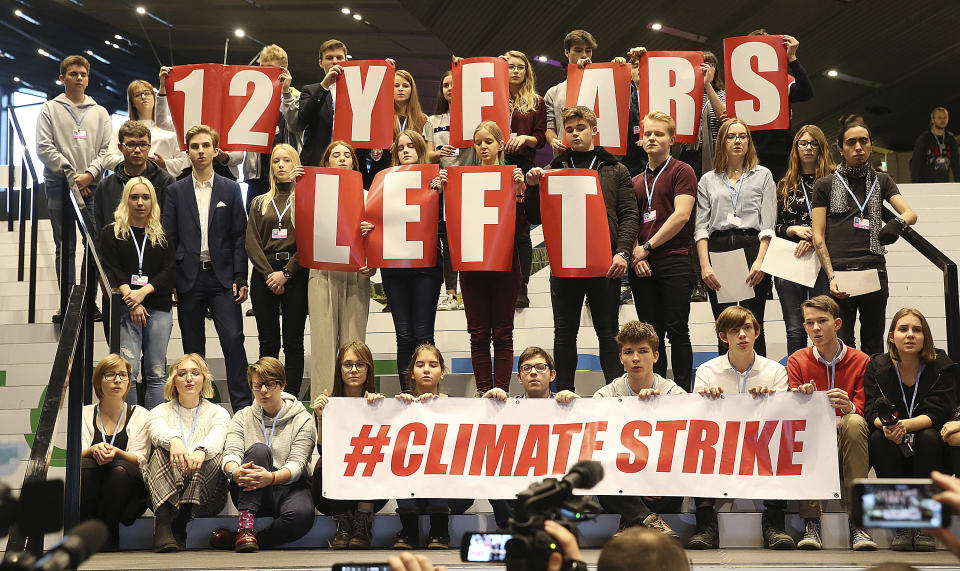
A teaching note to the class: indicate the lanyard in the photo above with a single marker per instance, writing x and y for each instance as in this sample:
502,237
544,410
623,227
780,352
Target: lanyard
806,198
280,214
403,126
742,384
269,441
734,197
866,200
196,416
941,142
650,189
140,250
916,389
74,117
593,162
115,430
832,367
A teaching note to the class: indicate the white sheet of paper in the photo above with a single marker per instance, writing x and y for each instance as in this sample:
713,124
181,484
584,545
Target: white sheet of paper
781,262
858,282
731,270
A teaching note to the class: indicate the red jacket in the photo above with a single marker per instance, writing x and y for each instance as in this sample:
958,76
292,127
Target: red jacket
803,367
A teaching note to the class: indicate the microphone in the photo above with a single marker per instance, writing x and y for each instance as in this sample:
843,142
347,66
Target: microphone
583,474
887,412
80,543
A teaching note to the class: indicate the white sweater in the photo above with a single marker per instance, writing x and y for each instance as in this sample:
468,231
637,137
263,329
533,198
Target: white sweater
167,418
138,437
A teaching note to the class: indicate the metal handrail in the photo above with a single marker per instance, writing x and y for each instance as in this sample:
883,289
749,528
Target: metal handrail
26,162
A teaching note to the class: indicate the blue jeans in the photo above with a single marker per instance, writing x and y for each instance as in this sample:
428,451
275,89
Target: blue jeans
791,295
56,190
151,341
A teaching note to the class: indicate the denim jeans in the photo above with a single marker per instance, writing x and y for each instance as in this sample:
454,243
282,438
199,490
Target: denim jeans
56,190
150,341
791,295
412,295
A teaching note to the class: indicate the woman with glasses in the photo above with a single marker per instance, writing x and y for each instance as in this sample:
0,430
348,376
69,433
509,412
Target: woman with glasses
137,255
352,377
736,209
268,446
183,474
809,160
115,444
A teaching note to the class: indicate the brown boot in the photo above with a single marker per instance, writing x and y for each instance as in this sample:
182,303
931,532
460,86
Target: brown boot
341,539
362,530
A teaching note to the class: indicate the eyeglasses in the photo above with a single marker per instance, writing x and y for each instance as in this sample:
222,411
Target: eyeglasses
540,367
807,144
133,145
348,366
270,385
517,67
120,375
737,136
142,94
182,373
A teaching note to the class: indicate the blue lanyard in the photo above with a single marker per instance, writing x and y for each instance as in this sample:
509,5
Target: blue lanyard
806,198
74,117
196,416
734,198
115,430
140,250
742,384
916,389
832,367
269,441
866,200
650,190
280,214
593,162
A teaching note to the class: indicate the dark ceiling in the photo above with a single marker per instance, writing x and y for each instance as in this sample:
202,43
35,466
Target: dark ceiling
908,51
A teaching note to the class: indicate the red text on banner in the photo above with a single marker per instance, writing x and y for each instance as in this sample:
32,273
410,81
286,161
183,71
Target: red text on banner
480,93
604,88
329,209
575,226
672,83
364,105
481,210
405,213
756,81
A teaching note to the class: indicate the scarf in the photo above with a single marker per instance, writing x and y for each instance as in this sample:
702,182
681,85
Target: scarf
842,203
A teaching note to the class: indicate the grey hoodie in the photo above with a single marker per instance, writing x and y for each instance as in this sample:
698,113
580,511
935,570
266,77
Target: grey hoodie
56,146
293,439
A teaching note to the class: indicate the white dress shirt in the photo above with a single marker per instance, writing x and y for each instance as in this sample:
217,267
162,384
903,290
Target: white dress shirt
203,191
718,372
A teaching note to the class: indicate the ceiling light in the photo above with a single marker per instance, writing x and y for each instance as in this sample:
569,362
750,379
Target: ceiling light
59,82
46,54
656,26
96,57
357,17
349,56
345,10
141,10
17,79
239,32
22,16
542,58
117,37
833,73
693,37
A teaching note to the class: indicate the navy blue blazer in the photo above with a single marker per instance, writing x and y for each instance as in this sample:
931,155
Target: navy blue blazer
226,234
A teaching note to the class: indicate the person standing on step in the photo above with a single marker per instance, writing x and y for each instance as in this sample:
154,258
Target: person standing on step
936,152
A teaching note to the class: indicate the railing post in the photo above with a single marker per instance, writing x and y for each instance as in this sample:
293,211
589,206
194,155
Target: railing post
951,302
10,171
34,229
67,225
116,302
22,242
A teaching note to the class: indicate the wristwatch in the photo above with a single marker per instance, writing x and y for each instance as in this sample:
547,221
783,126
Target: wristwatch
286,274
647,246
624,255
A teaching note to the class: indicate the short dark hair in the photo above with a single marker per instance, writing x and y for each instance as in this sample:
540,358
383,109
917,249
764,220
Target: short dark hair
202,130
578,112
71,61
852,125
531,352
133,129
638,332
823,303
656,550
579,37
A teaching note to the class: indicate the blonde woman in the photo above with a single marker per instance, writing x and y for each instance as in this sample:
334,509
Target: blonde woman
278,283
138,257
183,474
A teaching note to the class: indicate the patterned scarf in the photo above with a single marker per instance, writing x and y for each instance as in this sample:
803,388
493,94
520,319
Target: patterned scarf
841,201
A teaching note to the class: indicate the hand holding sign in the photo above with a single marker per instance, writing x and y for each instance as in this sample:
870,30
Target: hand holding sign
604,88
364,105
480,93
756,81
404,213
574,217
672,82
481,210
329,209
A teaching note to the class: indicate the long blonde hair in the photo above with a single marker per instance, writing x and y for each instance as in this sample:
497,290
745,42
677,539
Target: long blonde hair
750,159
526,98
790,182
494,129
266,198
121,216
415,115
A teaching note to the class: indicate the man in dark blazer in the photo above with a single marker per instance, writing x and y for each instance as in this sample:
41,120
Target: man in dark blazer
317,100
204,216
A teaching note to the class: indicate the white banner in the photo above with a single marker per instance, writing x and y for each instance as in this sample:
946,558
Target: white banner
783,446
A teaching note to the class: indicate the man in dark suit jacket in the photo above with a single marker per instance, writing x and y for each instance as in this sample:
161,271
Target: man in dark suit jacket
317,102
204,216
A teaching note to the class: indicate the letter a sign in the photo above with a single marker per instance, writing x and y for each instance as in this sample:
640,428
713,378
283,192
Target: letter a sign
575,223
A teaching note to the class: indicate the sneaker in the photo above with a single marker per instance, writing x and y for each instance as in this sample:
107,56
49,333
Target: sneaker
362,530
707,535
924,542
438,542
447,302
811,536
860,540
250,313
386,308
97,315
774,535
620,529
404,542
341,538
903,540
626,296
699,293
655,522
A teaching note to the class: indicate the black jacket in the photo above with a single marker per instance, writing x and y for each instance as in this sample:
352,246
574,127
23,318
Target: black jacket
937,396
121,262
316,119
780,141
110,191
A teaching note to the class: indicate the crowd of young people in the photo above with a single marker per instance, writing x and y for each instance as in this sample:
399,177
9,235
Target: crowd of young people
190,241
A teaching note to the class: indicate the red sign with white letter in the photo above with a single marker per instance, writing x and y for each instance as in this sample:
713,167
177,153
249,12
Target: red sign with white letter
481,210
575,224
329,209
242,103
405,212
672,82
481,92
756,81
605,88
364,105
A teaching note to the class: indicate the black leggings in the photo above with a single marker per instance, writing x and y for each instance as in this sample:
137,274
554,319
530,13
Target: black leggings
327,506
889,462
113,492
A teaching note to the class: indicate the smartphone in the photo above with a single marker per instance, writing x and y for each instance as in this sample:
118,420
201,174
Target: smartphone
484,547
361,567
896,502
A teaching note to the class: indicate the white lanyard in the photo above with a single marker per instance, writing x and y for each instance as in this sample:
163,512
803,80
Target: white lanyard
140,250
806,198
593,162
74,117
735,197
866,200
916,389
650,189
115,430
280,214
742,384
941,142
196,416
269,441
403,126
832,367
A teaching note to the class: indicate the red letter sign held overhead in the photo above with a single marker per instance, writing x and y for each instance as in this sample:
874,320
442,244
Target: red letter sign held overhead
480,93
405,212
605,88
575,223
329,210
672,82
364,104
756,81
481,210
240,102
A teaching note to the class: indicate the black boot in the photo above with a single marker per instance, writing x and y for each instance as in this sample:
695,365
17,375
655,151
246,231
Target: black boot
439,537
707,535
163,539
523,300
774,532
184,515
409,534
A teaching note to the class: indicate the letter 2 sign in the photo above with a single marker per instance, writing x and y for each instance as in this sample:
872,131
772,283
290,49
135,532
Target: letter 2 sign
242,103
